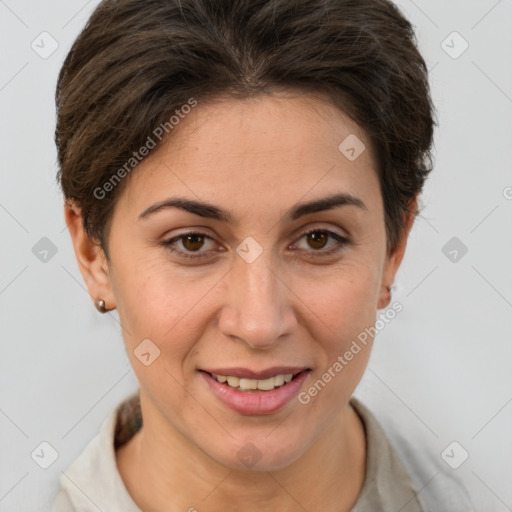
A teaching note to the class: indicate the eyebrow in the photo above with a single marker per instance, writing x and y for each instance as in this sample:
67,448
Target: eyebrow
211,211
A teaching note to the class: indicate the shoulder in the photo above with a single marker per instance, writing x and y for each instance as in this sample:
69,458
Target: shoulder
387,486
93,481
440,486
62,503
436,483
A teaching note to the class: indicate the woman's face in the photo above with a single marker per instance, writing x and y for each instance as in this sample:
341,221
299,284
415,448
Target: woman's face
250,291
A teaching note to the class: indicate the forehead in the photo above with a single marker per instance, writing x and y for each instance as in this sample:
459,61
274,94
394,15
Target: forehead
267,149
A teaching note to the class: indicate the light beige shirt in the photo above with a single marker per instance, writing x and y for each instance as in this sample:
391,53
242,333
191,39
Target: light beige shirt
93,482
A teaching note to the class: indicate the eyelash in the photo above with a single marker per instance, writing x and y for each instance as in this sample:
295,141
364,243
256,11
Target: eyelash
342,241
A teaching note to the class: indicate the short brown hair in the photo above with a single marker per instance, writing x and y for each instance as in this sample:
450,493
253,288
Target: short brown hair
137,61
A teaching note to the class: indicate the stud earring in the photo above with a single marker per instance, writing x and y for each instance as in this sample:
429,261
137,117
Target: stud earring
100,305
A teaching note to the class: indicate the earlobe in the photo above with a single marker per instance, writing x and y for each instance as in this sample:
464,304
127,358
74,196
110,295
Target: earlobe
385,297
90,257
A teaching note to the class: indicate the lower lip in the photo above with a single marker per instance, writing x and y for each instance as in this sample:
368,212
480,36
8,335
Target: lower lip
256,402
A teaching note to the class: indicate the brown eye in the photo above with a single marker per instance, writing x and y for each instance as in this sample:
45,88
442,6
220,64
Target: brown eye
190,245
321,242
193,242
317,239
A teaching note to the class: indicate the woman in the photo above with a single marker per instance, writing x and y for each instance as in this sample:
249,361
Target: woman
240,180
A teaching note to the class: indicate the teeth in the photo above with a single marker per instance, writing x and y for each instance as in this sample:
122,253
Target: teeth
252,384
233,381
278,380
266,384
248,384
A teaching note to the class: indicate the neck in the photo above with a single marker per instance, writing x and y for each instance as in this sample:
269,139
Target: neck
163,471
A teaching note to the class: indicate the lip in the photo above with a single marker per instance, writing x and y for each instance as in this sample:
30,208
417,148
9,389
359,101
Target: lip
256,402
245,373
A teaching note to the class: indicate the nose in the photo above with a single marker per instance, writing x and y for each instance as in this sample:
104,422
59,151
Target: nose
257,308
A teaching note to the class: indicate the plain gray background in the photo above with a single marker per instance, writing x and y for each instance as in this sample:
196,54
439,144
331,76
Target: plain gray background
441,368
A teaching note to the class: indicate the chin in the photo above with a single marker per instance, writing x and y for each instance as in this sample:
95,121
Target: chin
259,455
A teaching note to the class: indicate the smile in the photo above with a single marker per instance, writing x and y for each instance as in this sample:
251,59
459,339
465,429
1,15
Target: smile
254,384
252,396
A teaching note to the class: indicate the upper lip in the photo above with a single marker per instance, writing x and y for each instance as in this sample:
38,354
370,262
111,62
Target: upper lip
246,373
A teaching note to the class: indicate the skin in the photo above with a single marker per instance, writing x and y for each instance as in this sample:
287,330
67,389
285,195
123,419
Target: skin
256,158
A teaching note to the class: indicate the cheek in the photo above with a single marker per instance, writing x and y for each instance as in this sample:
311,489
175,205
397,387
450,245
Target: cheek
343,311
164,307
160,303
344,301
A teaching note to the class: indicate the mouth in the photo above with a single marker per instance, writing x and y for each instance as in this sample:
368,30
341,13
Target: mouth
255,393
253,382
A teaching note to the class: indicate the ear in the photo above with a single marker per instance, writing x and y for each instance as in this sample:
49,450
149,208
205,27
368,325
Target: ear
90,257
394,259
